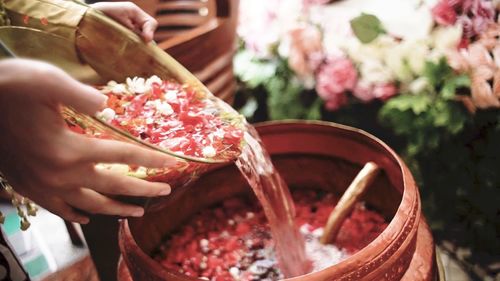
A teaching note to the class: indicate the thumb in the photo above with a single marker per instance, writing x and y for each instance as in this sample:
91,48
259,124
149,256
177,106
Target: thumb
52,84
148,29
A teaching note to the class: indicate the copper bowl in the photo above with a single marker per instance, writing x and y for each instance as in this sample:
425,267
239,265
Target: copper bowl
308,155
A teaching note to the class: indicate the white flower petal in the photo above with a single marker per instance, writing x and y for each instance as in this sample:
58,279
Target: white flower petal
106,114
209,151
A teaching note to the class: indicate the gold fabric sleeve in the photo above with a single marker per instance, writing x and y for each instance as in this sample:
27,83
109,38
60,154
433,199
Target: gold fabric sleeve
59,17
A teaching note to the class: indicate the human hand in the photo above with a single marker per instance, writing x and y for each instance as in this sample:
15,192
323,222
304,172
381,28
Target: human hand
53,166
131,16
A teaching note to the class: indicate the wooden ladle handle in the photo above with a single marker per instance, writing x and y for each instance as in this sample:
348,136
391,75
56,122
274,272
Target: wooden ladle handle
346,203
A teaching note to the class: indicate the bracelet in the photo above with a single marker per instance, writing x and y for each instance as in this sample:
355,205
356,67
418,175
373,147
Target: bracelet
18,202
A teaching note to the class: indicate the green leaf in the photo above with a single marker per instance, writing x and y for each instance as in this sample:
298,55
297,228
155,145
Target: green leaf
314,112
448,91
440,114
367,27
458,119
436,73
284,98
254,72
452,84
461,81
417,103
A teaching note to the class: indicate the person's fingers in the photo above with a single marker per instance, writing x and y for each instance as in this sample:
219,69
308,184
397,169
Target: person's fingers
148,29
108,182
111,151
82,98
131,16
127,22
62,88
145,23
60,208
92,202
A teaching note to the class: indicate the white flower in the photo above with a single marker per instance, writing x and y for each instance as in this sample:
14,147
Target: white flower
373,71
447,38
407,59
285,46
115,88
397,64
163,107
405,21
120,169
418,85
235,272
204,243
352,47
209,151
171,95
106,114
378,49
434,56
119,89
289,11
137,85
153,79
431,3
337,34
141,172
417,55
383,43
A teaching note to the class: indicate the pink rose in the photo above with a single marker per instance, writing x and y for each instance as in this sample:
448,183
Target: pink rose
384,91
444,13
478,8
333,79
363,91
336,101
306,50
367,92
475,15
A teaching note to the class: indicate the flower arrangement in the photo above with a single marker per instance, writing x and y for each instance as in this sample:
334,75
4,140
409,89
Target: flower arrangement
310,58
431,69
359,59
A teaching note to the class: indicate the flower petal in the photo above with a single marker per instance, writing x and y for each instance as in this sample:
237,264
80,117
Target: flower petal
482,94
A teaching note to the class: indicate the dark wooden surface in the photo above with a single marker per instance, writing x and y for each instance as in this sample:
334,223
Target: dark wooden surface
101,235
201,35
